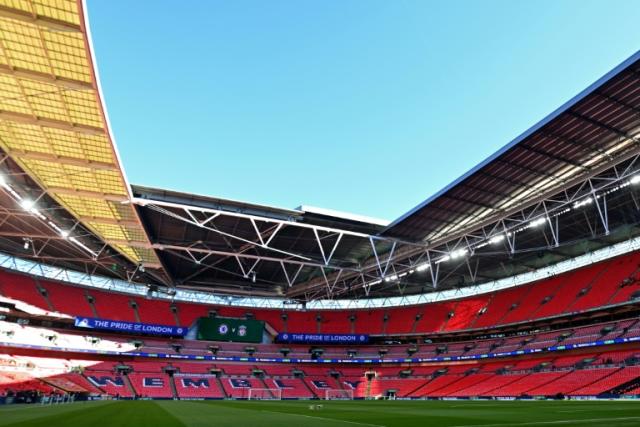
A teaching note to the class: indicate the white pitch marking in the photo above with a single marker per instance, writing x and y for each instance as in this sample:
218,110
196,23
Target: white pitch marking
324,418
539,423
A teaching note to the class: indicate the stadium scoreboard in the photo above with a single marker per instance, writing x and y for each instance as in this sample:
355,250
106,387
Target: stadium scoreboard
230,329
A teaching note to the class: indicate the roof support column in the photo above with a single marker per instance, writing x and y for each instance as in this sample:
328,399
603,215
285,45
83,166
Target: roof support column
601,205
553,226
434,270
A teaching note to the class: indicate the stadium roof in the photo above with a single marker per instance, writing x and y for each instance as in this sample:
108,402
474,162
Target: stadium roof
564,187
587,148
248,248
593,131
53,124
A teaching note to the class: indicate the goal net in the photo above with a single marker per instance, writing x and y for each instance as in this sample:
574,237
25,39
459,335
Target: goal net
338,394
265,394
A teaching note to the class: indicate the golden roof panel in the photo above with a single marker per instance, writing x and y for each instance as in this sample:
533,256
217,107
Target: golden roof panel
52,121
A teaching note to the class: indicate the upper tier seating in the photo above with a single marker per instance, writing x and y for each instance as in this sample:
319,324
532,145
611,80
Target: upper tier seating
62,300
401,321
23,288
611,281
154,311
605,284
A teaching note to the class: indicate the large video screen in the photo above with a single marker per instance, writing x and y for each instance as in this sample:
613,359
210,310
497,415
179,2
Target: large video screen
230,329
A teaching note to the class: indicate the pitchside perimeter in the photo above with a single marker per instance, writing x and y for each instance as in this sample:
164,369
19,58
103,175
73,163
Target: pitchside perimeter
332,414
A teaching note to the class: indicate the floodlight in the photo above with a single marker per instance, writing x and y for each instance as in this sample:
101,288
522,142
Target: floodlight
423,266
497,239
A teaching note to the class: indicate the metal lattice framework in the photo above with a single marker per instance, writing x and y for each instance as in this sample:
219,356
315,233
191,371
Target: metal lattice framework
565,187
257,244
252,253
53,124
562,183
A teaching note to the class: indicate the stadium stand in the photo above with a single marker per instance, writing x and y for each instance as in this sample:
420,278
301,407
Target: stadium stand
573,333
584,374
555,296
22,288
151,385
198,387
113,384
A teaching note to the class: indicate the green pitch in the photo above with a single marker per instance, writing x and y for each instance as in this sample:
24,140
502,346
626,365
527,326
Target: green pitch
332,414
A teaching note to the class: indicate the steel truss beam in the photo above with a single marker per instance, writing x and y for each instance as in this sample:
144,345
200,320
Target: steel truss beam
386,261
550,209
389,260
264,247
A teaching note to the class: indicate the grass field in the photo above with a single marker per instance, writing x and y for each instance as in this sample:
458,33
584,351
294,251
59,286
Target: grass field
333,414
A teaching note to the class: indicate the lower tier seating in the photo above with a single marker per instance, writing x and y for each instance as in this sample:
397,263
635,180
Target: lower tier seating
583,374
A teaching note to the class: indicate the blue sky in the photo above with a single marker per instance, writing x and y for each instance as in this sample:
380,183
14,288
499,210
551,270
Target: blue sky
362,106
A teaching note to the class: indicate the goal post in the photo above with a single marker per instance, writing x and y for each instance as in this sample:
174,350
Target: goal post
264,394
338,394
